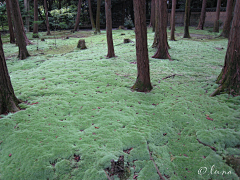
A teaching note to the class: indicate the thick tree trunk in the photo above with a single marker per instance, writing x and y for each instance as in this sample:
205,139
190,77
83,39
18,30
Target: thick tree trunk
109,28
156,27
10,25
46,13
8,100
98,17
203,16
19,31
187,19
229,78
162,51
142,83
152,20
228,20
173,20
216,22
76,27
35,24
91,14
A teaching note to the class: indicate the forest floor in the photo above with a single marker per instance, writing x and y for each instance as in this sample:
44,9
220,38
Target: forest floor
80,112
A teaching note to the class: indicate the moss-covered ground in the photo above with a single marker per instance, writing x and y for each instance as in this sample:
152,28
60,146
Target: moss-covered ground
81,113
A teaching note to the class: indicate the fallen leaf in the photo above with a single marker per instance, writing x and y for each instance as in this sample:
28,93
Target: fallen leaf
211,119
96,127
10,155
34,103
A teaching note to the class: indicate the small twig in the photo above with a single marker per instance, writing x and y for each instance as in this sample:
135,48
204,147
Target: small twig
173,75
107,175
151,158
213,148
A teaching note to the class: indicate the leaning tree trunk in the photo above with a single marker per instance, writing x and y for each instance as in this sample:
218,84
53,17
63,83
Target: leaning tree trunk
142,83
109,28
156,27
91,14
76,27
203,16
229,78
10,25
162,51
21,40
98,17
46,13
35,24
187,19
8,100
173,20
216,22
227,23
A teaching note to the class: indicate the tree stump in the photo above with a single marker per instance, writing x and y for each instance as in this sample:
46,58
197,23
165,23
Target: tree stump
81,44
126,41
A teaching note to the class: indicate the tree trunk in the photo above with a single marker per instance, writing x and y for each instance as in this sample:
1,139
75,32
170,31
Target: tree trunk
187,19
109,28
173,20
216,23
46,13
26,7
91,15
227,23
142,83
156,27
59,4
123,12
229,78
76,27
152,20
98,17
35,24
8,100
203,16
10,25
162,51
19,31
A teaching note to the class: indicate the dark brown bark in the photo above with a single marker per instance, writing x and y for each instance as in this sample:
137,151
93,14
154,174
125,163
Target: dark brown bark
46,14
156,27
10,25
202,16
35,24
173,20
108,14
152,20
76,27
187,19
142,83
229,78
228,20
162,51
216,22
8,100
123,11
19,31
98,17
91,14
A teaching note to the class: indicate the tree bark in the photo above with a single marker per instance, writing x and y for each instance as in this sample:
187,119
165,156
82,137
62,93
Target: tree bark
76,27
98,17
152,20
162,51
187,19
227,23
91,15
26,7
203,16
216,22
142,83
35,24
173,20
8,100
46,13
229,78
19,31
10,25
157,24
109,28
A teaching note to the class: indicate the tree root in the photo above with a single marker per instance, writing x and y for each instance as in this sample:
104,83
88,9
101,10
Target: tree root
217,91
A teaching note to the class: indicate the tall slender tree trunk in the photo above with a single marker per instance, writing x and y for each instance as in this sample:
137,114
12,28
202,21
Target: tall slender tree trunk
46,14
91,15
216,22
203,16
162,51
152,19
26,7
157,24
10,25
98,17
8,100
187,19
19,31
109,28
173,20
142,83
229,78
76,27
228,20
35,24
